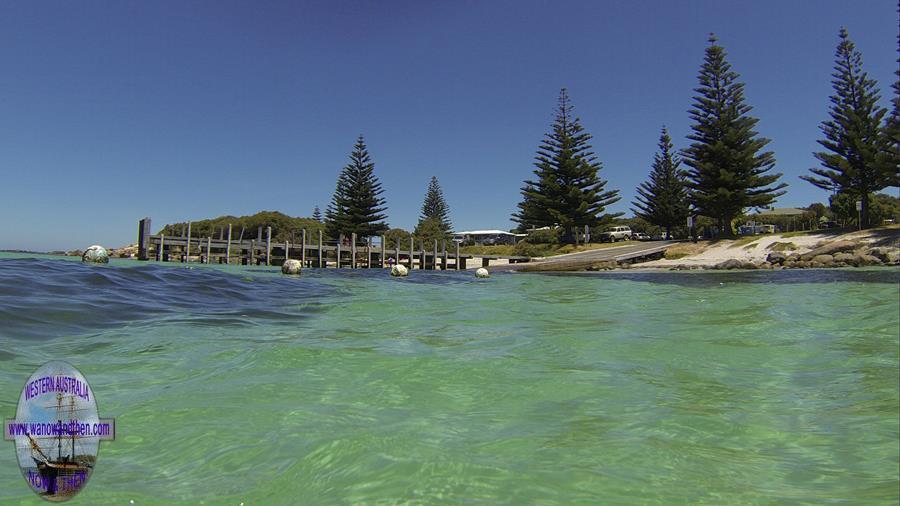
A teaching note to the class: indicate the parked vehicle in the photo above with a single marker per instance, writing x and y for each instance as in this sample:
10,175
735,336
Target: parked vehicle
616,234
640,236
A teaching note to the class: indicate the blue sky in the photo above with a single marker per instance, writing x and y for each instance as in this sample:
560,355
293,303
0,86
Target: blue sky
111,111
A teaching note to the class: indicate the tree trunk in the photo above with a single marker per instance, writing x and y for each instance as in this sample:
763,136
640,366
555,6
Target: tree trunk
864,213
668,232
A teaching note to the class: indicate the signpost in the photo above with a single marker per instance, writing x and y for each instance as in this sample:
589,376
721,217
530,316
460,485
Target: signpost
859,214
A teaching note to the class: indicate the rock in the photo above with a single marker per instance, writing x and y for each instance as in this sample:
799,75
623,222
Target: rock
843,258
291,267
776,257
765,265
482,273
95,254
830,249
729,264
823,259
861,260
399,270
886,255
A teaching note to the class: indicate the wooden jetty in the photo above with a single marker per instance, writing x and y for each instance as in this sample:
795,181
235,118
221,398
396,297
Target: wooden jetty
313,250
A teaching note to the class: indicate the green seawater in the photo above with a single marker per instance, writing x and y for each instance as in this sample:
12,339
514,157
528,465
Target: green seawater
233,385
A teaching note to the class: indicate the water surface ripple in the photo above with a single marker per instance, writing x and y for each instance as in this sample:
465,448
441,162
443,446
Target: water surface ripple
235,384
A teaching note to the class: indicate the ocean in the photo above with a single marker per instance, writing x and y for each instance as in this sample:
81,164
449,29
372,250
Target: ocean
238,384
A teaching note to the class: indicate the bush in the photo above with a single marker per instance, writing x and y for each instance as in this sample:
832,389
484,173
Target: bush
527,249
547,236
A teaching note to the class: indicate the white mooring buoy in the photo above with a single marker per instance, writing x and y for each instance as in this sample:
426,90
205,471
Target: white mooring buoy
482,273
399,270
291,266
95,254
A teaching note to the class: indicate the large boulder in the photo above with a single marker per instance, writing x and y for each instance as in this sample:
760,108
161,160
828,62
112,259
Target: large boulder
829,249
776,257
886,254
733,263
845,258
95,254
862,260
825,260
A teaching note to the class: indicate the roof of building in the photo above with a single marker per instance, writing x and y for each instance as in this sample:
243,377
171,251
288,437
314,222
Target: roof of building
782,211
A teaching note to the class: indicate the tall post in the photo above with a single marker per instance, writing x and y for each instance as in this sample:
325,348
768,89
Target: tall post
434,258
353,250
221,233
187,245
320,248
412,246
303,248
144,239
383,248
397,259
457,254
209,249
228,247
369,252
161,252
443,254
268,245
250,261
422,254
287,250
338,250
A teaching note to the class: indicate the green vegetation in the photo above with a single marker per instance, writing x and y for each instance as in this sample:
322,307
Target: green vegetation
435,208
782,246
524,248
857,161
728,172
357,206
567,191
662,201
284,228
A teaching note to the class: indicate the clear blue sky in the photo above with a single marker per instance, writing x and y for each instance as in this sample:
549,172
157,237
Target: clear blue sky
111,111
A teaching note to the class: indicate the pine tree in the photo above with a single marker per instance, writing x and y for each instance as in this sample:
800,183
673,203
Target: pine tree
856,143
663,200
728,173
891,162
435,207
317,214
357,206
567,191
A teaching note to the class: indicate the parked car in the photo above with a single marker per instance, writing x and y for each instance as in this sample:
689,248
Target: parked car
616,234
640,236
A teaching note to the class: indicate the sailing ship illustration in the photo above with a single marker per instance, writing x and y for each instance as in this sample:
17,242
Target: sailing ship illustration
63,476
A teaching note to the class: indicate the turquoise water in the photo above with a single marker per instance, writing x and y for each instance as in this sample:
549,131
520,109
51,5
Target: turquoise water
234,384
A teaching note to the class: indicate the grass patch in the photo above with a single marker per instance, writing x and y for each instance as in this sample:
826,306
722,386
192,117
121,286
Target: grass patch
782,246
500,249
685,249
534,250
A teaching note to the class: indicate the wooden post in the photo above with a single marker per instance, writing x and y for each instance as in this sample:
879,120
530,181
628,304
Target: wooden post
250,262
221,233
397,260
485,262
421,254
338,250
353,250
369,252
259,234
144,239
187,245
320,249
443,254
434,258
303,248
268,245
287,251
411,248
209,250
228,247
457,254
161,252
383,249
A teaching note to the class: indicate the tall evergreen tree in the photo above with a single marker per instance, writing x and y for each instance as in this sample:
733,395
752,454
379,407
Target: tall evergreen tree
728,171
856,144
435,207
663,199
566,191
891,165
357,205
317,214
